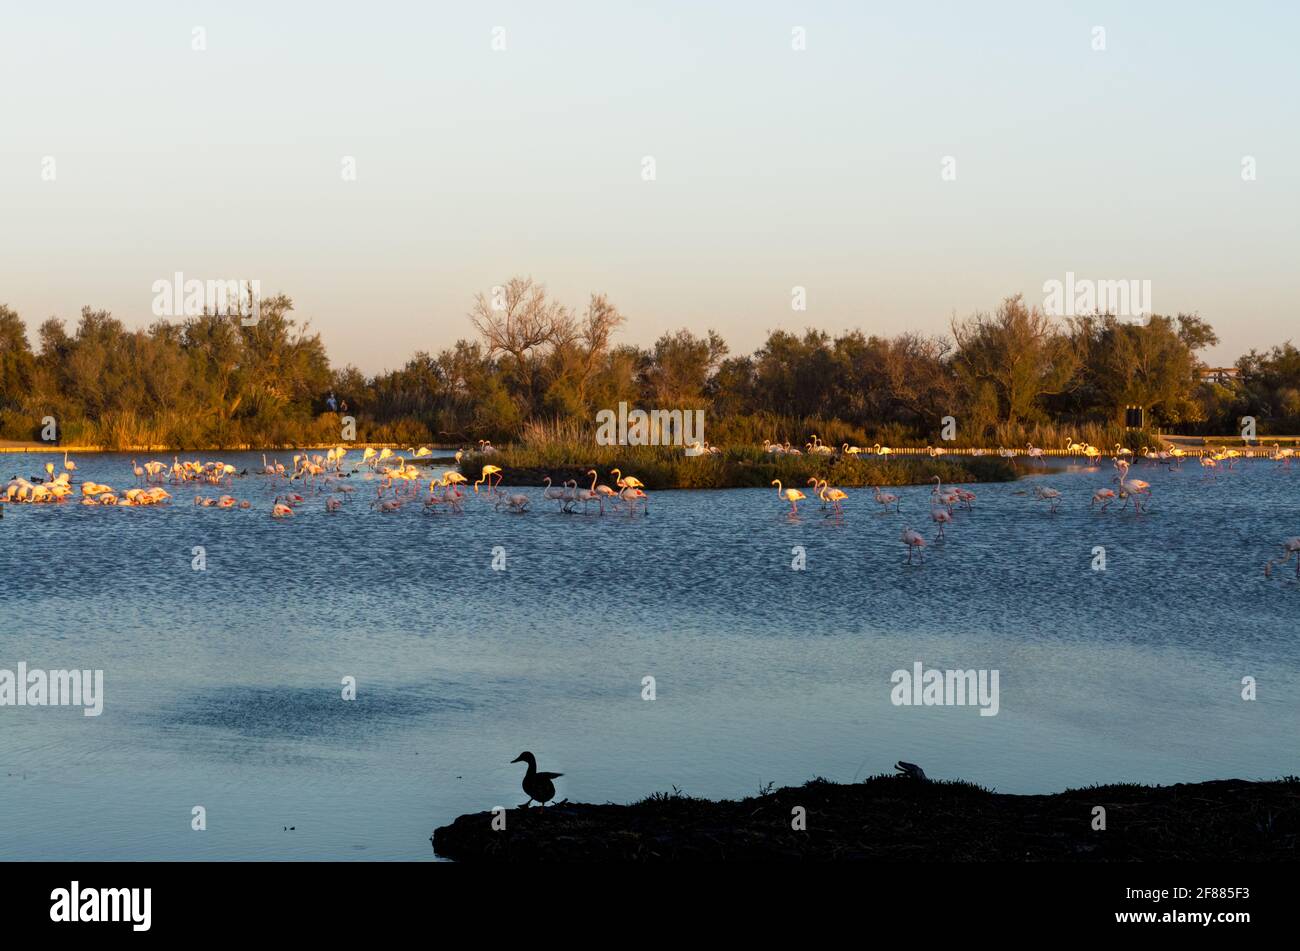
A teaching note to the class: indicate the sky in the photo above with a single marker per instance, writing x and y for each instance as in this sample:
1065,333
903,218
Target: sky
774,167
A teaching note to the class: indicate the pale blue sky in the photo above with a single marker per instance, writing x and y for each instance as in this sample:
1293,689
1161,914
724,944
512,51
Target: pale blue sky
776,168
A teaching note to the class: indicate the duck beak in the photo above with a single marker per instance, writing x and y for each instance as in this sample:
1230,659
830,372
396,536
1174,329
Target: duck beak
517,759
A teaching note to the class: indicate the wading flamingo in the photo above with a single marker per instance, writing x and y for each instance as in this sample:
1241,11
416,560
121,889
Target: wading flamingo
632,495
793,496
486,476
1290,549
886,499
834,497
817,486
1104,496
552,494
516,503
913,540
941,517
626,482
948,499
604,491
1048,495
1131,488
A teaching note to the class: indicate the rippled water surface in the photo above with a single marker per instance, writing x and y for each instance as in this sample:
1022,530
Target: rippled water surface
222,686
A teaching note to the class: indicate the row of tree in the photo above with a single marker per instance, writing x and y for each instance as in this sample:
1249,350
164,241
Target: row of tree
210,381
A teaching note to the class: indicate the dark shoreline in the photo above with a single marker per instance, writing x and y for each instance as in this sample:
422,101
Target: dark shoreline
896,818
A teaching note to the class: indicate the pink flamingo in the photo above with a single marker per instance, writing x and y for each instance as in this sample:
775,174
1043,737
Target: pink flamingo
948,499
1050,496
1134,488
942,517
1104,496
913,540
632,496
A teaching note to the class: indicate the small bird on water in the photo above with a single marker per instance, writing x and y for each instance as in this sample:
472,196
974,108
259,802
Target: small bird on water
537,785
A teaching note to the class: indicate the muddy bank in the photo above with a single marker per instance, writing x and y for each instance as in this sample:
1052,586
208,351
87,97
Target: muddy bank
891,818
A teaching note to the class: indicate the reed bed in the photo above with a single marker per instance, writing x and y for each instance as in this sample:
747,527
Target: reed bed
667,467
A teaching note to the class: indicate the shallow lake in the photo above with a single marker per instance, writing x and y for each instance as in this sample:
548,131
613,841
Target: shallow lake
223,686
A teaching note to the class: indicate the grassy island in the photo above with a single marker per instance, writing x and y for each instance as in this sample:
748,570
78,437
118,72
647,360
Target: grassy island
667,467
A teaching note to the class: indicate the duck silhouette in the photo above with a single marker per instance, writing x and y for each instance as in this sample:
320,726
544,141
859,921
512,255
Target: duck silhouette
537,785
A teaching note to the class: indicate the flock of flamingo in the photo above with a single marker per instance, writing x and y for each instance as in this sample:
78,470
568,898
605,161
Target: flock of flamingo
944,502
400,483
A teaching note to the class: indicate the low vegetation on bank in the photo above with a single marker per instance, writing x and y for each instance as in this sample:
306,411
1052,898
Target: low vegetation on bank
899,819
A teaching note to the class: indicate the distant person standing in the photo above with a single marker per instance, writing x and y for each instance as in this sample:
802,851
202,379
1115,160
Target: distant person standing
332,403
345,406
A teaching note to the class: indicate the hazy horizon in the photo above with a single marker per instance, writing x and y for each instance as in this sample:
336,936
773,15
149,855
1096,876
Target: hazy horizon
775,167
